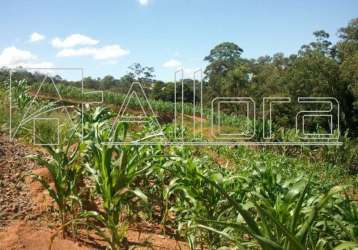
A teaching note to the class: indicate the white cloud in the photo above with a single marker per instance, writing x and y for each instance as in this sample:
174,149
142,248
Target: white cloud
36,37
172,63
187,72
39,65
143,2
102,53
110,52
12,57
72,41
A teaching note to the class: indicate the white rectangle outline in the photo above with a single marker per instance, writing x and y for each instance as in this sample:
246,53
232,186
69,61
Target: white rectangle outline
34,131
94,91
314,100
232,99
328,135
275,99
201,102
219,123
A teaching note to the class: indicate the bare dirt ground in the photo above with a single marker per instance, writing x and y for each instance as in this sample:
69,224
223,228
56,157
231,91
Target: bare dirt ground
26,220
15,201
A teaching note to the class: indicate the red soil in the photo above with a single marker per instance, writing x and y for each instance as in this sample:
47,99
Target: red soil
26,221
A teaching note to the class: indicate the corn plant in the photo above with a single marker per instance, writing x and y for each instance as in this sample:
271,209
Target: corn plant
114,169
90,119
345,155
341,220
283,215
190,197
66,173
20,92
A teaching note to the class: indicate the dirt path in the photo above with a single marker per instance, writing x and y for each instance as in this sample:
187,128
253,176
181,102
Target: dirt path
15,201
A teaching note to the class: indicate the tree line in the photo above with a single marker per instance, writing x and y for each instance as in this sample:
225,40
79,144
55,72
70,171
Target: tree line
319,69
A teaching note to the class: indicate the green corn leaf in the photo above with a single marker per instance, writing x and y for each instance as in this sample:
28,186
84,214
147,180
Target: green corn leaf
347,245
291,237
140,194
298,207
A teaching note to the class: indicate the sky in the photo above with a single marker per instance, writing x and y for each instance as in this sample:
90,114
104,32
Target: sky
105,37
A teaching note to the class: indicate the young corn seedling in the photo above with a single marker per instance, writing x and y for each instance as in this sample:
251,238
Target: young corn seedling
66,173
114,169
278,219
21,94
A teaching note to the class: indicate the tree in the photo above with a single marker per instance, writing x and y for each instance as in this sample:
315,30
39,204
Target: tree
320,45
141,73
91,83
223,58
349,33
107,82
347,56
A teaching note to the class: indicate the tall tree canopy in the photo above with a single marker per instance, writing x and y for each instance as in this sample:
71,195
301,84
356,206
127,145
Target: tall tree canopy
222,59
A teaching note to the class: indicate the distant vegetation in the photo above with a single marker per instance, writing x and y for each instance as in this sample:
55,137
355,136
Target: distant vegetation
320,68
